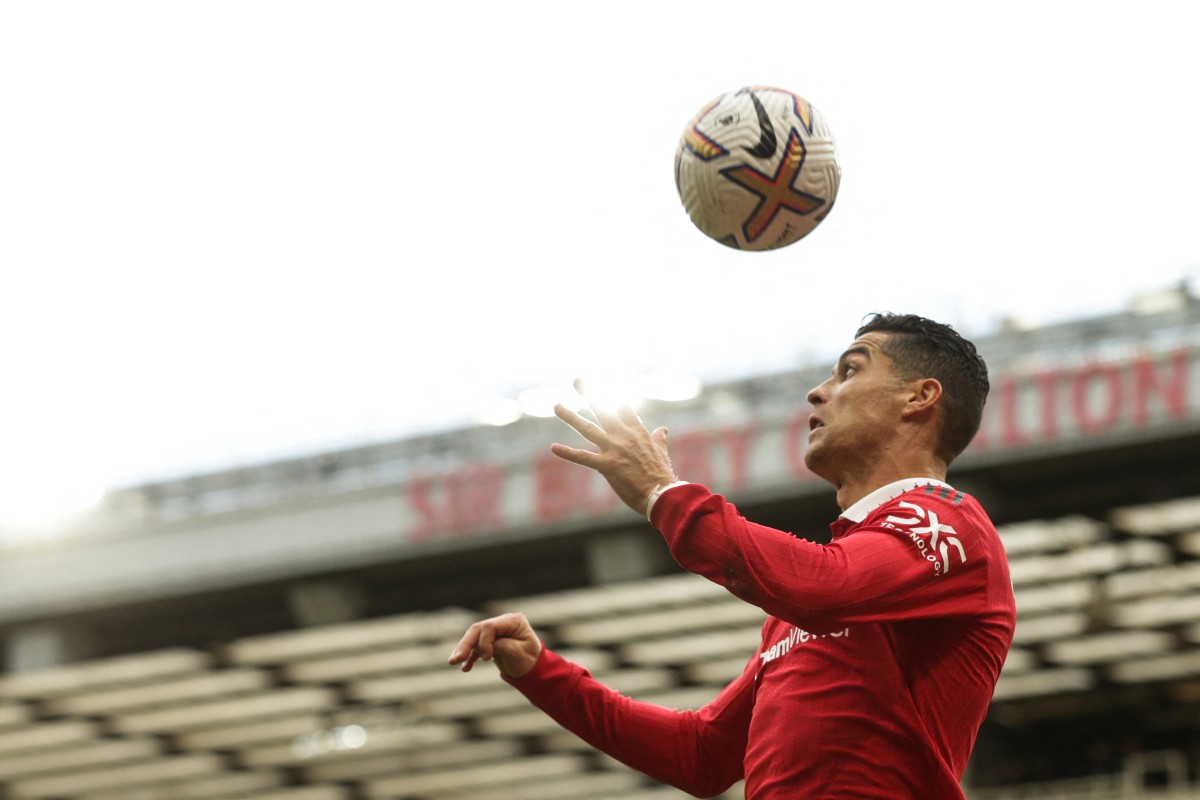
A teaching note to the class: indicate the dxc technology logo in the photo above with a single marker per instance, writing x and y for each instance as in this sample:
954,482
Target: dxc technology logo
937,548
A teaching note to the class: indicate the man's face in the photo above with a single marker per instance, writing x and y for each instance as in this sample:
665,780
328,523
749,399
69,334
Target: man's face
855,411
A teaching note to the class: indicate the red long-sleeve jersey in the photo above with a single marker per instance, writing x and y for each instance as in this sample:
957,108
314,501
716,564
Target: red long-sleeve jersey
876,667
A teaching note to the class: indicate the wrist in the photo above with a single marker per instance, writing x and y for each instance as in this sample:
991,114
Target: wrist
657,492
524,665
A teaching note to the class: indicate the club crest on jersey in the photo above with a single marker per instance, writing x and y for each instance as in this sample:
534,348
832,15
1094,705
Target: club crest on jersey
936,543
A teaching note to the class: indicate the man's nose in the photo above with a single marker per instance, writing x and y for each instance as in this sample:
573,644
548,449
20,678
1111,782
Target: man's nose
818,394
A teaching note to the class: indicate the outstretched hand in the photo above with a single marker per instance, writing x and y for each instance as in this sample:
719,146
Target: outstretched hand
508,639
631,458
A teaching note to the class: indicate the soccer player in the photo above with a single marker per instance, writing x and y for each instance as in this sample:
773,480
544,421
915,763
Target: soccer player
882,648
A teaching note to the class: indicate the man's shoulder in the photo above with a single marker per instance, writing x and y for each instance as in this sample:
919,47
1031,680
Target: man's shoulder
932,504
943,526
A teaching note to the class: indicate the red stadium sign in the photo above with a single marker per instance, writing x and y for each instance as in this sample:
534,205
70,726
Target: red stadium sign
1083,404
1093,399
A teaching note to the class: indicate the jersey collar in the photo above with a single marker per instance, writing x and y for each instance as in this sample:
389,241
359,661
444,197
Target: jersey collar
859,511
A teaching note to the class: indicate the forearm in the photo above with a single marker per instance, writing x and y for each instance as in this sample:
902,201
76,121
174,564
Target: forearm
686,749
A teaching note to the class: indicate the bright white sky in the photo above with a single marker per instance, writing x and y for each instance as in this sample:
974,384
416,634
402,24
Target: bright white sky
235,230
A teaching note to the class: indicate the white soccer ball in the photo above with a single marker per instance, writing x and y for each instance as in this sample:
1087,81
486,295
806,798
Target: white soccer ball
757,168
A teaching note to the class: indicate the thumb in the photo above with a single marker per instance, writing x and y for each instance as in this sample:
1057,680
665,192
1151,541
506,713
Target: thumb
660,436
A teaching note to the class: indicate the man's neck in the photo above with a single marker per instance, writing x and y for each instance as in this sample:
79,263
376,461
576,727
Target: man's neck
868,503
852,489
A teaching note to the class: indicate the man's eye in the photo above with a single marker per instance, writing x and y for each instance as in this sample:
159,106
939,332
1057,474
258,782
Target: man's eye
848,370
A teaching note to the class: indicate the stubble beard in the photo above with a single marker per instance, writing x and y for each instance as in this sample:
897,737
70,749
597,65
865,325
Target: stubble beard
816,458
838,458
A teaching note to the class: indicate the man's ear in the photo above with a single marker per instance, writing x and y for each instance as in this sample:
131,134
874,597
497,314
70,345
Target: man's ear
924,395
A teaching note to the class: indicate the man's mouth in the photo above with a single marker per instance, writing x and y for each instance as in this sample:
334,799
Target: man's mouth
814,423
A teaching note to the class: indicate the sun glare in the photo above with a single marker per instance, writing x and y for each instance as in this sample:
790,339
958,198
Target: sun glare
44,510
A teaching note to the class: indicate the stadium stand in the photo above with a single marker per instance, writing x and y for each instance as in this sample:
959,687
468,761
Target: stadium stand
368,709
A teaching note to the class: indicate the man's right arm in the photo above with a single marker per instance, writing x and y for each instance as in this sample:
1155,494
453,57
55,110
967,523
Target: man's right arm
700,751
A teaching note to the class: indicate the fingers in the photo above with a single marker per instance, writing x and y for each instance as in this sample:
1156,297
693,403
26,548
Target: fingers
612,415
602,411
478,643
464,652
486,648
482,639
610,420
628,416
585,458
584,427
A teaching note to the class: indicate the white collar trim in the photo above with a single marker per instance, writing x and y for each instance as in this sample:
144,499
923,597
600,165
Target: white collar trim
859,511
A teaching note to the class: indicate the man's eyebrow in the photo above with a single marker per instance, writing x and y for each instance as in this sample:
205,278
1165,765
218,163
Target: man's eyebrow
857,350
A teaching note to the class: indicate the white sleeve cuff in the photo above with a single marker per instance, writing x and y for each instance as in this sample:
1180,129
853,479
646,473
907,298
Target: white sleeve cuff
658,492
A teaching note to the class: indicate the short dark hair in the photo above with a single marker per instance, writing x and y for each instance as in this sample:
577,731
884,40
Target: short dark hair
922,348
